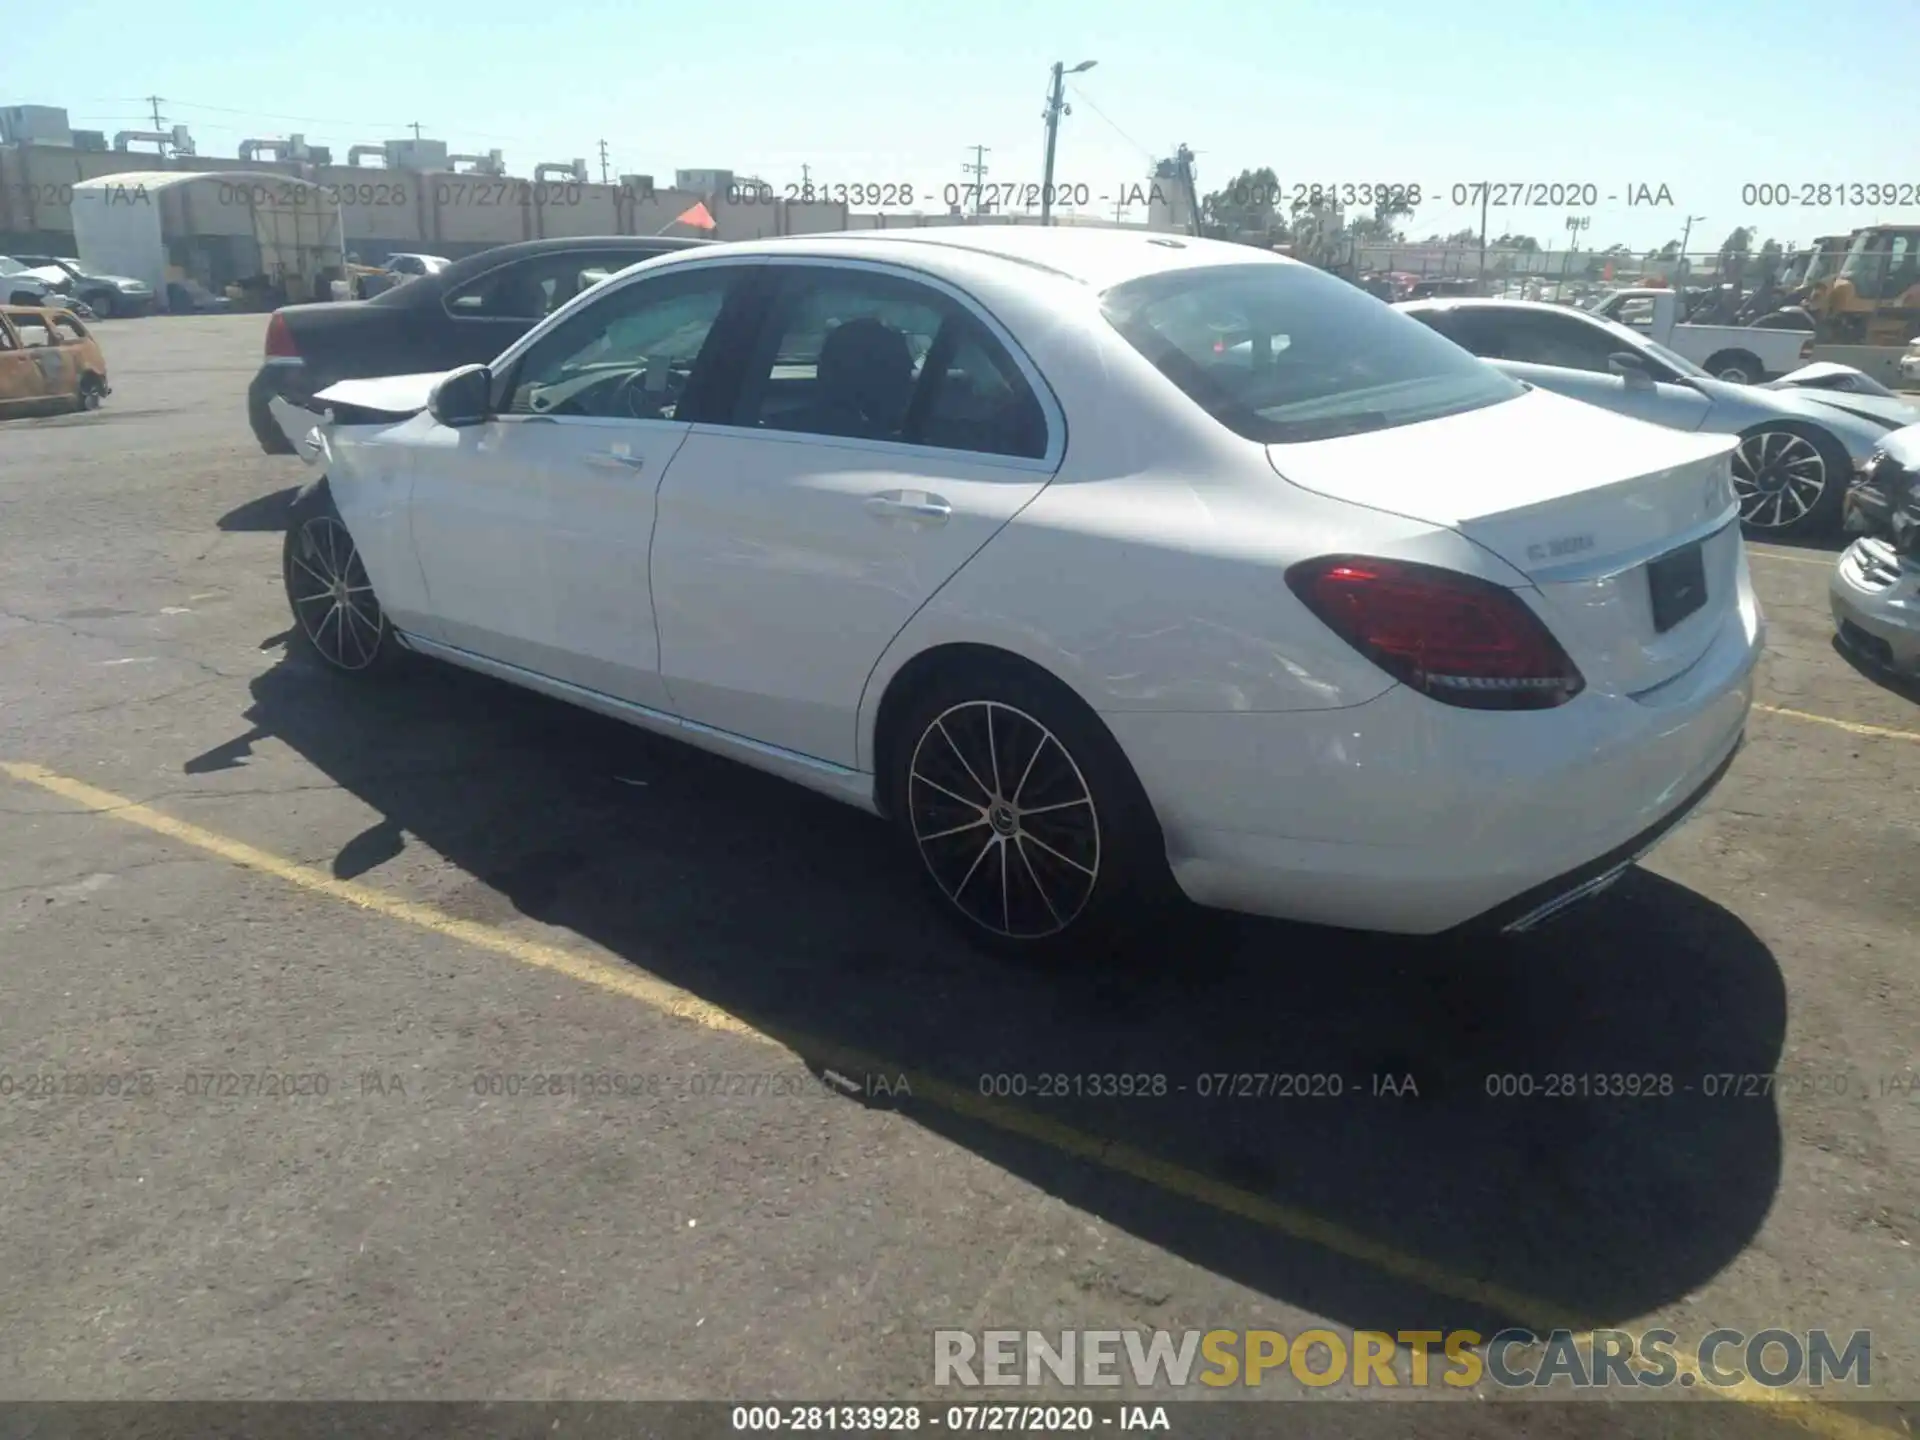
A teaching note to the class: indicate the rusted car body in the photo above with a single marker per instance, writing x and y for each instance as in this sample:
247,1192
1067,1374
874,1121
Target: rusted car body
49,360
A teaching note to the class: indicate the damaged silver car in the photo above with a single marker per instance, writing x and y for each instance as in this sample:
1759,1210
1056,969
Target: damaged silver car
1876,586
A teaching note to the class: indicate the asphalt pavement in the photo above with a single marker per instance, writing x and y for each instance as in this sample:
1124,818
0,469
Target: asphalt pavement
470,1046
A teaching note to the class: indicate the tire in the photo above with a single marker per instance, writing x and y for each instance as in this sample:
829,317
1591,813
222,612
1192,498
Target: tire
1791,479
1090,880
31,302
1736,367
337,619
91,392
102,303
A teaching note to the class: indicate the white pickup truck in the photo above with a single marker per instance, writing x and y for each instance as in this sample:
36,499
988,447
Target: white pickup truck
1744,354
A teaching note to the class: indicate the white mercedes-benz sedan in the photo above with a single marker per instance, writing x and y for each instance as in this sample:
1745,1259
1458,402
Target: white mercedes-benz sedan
1104,566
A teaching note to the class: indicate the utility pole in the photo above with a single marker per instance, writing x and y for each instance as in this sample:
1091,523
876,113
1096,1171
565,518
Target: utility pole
159,124
603,162
1183,157
1686,235
1485,190
806,179
978,170
1056,107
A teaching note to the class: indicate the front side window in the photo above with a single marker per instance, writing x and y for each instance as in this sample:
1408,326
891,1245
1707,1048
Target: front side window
869,356
1535,338
630,356
68,328
1284,353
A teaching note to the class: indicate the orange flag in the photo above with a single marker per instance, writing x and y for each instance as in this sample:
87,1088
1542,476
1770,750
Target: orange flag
695,215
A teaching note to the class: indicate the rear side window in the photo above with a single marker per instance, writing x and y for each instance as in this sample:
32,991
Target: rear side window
1284,353
862,355
32,332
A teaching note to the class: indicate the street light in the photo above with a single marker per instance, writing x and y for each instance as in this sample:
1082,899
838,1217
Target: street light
1056,107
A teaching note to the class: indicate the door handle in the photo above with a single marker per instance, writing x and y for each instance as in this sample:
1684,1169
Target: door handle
613,460
900,504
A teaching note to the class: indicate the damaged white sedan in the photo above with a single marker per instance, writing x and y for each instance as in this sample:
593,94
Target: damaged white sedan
1107,568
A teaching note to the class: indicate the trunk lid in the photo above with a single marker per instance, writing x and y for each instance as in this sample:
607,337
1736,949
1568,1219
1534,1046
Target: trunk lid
1577,500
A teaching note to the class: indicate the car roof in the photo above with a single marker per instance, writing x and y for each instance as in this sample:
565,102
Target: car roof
520,249
1490,302
426,289
1097,257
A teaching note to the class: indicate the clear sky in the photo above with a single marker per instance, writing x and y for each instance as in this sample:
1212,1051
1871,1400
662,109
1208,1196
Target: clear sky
1702,96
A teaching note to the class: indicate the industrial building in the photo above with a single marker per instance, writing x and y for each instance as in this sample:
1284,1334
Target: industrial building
414,195
394,196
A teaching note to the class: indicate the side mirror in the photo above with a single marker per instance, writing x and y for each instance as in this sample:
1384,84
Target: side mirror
462,397
1632,368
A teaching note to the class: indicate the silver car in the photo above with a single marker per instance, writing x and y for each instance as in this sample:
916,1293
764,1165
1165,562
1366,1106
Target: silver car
1875,589
1799,447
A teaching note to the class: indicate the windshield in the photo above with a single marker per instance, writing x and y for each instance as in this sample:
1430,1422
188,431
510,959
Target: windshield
11,267
1823,266
1675,359
1283,354
1635,339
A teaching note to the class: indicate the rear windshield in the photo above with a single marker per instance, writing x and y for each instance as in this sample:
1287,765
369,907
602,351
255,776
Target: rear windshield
1287,353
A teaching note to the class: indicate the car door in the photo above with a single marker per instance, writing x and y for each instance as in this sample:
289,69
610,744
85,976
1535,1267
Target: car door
885,429
20,379
532,528
56,374
1571,355
481,317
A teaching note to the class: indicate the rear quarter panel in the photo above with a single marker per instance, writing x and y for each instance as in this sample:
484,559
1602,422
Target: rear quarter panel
1150,574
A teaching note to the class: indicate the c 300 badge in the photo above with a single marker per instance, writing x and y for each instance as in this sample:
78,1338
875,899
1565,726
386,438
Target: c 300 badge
1560,548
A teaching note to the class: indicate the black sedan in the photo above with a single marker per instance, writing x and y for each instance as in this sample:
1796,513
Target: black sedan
465,314
107,296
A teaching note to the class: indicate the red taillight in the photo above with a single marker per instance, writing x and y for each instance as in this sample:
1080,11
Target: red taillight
1806,349
280,344
1459,640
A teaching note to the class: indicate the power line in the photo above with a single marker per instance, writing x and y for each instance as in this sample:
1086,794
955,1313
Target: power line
1087,99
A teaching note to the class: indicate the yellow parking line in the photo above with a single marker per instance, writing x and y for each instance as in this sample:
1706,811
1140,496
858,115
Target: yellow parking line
1826,564
1852,727
1798,1406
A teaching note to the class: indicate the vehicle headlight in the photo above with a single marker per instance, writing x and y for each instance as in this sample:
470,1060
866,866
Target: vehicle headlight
130,287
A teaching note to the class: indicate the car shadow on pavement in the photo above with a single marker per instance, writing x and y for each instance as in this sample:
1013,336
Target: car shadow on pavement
1447,1144
268,512
1907,689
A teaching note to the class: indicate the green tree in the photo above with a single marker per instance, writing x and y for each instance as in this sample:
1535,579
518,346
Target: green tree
1525,244
1245,205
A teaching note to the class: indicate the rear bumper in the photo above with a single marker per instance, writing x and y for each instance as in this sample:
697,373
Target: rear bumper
1545,901
277,379
1875,596
1406,816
